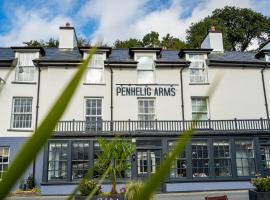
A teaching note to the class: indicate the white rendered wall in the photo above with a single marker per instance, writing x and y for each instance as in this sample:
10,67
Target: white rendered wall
213,41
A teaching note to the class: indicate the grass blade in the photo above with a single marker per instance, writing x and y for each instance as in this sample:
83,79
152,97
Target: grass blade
34,144
157,178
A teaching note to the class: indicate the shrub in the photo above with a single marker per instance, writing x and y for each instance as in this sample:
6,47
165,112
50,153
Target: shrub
87,186
261,184
30,182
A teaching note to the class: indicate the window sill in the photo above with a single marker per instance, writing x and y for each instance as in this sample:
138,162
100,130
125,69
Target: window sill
94,83
199,83
19,130
24,82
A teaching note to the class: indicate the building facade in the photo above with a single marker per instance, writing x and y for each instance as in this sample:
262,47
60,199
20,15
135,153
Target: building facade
149,96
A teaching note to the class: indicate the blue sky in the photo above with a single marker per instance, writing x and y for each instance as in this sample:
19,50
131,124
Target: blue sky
107,20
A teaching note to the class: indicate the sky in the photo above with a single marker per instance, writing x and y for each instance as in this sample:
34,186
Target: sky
107,20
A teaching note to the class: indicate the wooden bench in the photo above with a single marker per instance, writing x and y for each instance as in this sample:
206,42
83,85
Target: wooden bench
217,198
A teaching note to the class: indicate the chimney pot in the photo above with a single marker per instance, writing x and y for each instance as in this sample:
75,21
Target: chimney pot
67,24
213,28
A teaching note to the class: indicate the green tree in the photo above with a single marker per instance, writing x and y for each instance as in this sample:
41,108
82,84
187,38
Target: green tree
151,40
52,43
239,27
114,154
132,42
170,42
83,42
34,43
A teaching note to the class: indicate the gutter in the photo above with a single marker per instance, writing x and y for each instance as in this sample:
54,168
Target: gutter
264,93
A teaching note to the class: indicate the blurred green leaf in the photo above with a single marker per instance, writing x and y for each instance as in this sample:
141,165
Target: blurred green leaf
34,144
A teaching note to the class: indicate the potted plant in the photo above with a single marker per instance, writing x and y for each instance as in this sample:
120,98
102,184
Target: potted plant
114,154
262,191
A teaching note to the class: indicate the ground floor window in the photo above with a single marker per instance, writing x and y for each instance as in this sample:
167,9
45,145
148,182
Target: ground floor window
222,158
200,159
58,161
80,159
179,167
4,160
245,162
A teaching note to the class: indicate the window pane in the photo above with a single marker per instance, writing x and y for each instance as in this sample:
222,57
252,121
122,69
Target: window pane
199,108
222,159
94,76
97,61
198,72
22,112
93,114
265,156
80,155
200,159
58,158
4,160
245,162
146,112
145,76
145,62
179,167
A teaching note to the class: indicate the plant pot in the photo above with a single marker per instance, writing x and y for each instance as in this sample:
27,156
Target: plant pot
102,197
255,195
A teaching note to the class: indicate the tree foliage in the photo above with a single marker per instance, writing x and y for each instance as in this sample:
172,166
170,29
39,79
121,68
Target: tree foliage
240,26
114,154
41,43
152,40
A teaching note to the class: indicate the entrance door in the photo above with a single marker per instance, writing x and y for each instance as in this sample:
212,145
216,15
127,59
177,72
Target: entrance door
147,162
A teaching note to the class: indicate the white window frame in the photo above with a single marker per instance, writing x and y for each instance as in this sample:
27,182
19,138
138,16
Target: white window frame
96,64
2,163
194,112
13,113
25,65
96,116
267,58
201,73
146,124
141,70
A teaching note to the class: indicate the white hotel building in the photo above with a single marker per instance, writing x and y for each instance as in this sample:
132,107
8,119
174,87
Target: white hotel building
149,96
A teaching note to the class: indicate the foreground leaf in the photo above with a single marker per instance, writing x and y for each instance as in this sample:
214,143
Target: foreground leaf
34,144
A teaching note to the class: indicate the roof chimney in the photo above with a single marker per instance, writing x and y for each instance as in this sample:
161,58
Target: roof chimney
213,40
67,37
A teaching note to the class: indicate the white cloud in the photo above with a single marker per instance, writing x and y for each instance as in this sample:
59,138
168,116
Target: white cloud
32,25
124,19
117,19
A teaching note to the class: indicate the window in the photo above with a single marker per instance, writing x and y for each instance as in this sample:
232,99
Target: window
25,69
146,112
80,159
200,159
265,156
95,73
93,114
199,108
179,167
222,158
22,112
197,68
58,161
245,158
267,58
4,160
145,69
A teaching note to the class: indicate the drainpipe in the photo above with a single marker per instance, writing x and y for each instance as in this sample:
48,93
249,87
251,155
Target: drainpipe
37,112
264,93
111,107
182,94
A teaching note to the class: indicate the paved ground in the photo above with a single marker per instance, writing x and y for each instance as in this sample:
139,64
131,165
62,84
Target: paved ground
232,195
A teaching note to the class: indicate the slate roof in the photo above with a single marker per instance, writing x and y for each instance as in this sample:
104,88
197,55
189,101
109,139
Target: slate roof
122,55
6,54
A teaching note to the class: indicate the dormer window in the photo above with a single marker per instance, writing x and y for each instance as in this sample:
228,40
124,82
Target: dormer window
198,72
267,58
145,68
25,70
95,73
